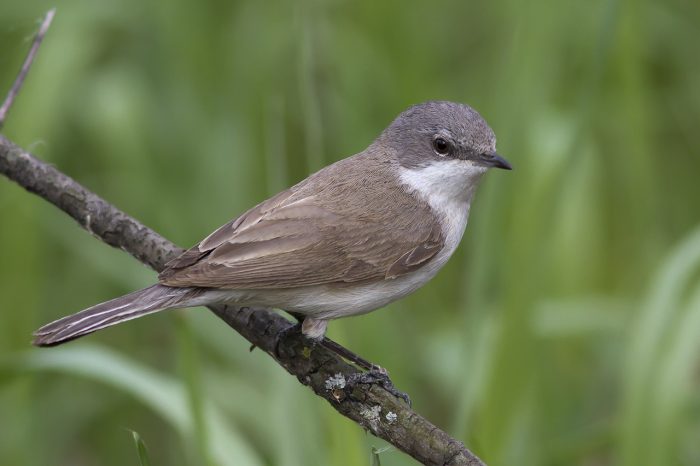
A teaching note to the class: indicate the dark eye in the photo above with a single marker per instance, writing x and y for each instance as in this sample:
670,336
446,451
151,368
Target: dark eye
441,146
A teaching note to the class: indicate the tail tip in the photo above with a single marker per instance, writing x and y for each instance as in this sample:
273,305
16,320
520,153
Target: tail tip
42,340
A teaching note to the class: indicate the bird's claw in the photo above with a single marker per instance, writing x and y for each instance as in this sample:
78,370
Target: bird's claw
374,375
377,376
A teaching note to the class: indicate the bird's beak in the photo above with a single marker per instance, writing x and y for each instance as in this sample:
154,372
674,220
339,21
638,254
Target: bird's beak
494,160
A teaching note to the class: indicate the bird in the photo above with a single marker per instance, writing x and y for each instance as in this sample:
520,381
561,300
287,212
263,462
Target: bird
351,238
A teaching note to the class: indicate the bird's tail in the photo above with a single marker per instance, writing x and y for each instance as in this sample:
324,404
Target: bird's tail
139,303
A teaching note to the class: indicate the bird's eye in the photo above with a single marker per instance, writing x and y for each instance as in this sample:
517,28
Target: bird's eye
441,146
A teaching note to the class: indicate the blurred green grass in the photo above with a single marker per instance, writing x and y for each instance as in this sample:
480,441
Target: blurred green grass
564,331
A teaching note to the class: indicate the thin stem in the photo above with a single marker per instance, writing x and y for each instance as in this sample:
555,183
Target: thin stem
19,81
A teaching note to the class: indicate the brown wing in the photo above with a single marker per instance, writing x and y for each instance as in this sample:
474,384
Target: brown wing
301,243
310,235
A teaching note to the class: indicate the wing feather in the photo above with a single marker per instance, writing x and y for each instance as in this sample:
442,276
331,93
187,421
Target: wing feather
300,238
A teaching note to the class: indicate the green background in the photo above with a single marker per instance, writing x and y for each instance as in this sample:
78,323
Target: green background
564,331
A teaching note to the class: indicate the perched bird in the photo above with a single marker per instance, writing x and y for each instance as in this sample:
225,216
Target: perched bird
351,238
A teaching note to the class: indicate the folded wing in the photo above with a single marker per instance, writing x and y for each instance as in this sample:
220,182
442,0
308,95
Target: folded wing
295,240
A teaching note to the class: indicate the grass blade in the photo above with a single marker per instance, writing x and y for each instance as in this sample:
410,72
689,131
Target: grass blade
141,449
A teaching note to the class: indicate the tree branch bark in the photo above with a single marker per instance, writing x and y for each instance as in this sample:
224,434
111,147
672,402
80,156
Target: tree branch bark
370,406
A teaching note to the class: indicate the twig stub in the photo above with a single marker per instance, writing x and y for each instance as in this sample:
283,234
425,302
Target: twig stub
31,55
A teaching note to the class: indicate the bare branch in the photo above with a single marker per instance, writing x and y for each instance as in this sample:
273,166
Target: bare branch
17,85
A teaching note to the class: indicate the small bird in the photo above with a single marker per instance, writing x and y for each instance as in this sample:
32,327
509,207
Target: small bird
349,239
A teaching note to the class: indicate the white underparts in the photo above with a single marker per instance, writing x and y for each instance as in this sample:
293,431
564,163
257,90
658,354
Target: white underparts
448,187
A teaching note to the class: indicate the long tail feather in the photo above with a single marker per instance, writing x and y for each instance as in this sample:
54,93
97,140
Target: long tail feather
139,303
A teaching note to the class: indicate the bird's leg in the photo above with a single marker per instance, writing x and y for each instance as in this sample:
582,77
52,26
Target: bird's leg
375,374
314,330
348,355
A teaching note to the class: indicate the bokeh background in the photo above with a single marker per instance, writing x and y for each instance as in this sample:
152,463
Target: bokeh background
566,329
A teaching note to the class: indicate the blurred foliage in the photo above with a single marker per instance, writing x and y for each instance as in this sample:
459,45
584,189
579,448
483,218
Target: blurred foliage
141,449
565,331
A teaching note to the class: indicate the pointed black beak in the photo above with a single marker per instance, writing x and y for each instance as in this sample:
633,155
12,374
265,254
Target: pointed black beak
495,160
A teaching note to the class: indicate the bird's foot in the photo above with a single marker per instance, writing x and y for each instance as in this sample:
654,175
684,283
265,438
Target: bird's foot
348,355
376,376
373,375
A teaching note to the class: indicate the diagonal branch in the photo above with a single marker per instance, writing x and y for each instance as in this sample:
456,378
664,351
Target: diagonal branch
370,406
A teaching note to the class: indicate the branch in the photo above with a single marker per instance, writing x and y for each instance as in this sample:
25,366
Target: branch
17,85
370,406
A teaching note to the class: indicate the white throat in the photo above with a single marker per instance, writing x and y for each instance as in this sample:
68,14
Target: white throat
447,186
